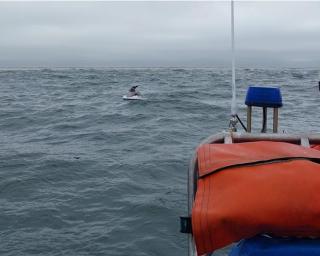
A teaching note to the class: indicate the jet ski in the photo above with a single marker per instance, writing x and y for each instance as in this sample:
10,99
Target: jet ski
134,97
133,94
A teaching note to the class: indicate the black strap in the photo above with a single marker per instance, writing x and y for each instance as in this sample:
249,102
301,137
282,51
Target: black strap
243,126
185,225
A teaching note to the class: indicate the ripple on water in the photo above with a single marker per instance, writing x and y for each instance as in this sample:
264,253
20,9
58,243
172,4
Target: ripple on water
85,173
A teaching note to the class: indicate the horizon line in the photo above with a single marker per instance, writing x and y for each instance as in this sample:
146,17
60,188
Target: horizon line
154,67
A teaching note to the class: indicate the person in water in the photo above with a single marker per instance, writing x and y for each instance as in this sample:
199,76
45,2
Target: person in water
133,92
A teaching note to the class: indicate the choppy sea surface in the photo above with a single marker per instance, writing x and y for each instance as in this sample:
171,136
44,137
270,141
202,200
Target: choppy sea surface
83,172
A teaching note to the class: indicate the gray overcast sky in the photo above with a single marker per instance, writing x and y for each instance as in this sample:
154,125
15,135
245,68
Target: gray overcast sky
153,34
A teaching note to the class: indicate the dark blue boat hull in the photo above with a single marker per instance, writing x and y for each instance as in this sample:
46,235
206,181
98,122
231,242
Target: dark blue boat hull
266,246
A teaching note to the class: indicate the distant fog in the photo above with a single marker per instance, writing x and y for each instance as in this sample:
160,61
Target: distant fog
158,34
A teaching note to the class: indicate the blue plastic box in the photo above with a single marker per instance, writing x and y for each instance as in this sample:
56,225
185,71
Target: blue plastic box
264,97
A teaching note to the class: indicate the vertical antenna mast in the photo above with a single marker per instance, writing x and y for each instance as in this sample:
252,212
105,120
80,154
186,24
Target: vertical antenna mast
234,99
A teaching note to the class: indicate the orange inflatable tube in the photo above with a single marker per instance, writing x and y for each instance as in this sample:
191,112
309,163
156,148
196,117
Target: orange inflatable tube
317,147
252,188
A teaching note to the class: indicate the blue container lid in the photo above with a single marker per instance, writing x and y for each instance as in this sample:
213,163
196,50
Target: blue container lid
264,97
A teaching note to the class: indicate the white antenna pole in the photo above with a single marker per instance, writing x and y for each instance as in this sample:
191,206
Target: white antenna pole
234,99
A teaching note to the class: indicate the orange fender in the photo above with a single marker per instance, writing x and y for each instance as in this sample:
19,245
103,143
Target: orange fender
251,188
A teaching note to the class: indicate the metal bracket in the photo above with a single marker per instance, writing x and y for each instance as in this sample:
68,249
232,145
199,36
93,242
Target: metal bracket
305,142
185,225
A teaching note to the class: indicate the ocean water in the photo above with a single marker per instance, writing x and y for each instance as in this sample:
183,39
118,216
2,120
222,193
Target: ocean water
83,172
